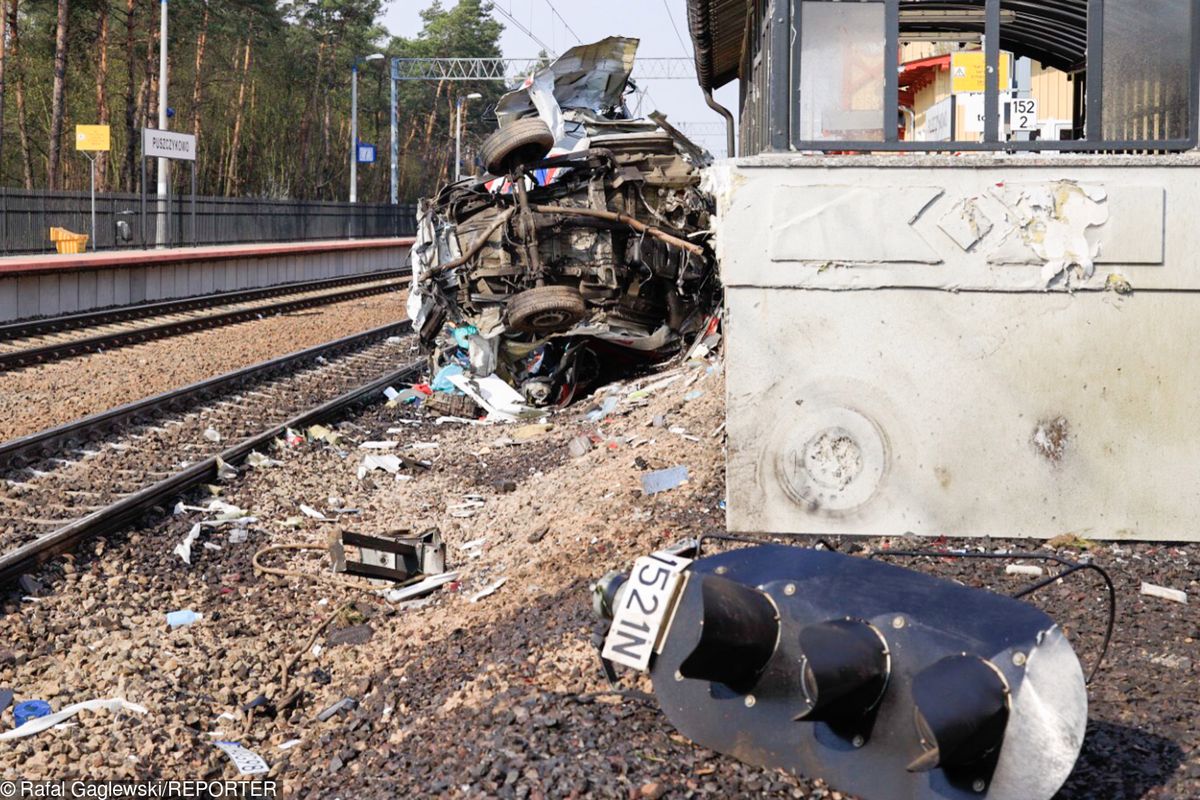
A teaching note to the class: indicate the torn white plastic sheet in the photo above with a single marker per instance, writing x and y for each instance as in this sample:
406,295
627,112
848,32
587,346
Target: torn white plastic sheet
500,400
423,587
370,463
388,445
184,548
211,434
247,761
39,724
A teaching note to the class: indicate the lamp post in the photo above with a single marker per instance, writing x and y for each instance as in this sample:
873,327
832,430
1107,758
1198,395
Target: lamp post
462,101
164,165
354,124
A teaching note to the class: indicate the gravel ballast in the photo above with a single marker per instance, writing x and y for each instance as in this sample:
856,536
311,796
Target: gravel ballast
40,397
503,697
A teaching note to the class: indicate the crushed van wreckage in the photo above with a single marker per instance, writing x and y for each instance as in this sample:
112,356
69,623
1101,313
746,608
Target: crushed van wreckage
584,251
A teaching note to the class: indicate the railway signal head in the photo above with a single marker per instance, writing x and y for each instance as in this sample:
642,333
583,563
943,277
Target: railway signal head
882,681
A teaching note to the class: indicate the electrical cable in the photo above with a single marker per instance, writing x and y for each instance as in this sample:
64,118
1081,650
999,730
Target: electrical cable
564,22
549,50
678,35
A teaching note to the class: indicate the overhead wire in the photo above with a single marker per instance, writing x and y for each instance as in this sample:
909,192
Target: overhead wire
521,27
566,24
678,35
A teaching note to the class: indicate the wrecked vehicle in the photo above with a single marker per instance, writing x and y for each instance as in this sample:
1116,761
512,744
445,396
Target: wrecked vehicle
584,251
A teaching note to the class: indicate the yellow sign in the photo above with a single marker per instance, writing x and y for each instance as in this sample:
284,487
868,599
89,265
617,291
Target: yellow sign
968,71
92,137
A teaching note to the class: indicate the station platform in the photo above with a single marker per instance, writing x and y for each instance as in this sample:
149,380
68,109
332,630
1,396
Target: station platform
50,285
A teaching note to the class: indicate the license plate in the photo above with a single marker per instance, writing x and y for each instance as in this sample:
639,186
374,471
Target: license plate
641,614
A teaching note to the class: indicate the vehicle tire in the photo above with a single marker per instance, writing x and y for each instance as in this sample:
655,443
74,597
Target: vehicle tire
546,309
518,144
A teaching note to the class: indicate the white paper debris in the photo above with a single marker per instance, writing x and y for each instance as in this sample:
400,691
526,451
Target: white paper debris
247,761
489,590
212,435
378,445
1023,569
389,464
1163,593
289,744
184,548
39,724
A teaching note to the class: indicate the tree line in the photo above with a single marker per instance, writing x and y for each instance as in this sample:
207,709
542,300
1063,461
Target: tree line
264,85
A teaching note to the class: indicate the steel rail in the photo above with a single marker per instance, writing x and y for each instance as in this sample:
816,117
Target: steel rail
25,329
106,341
129,510
37,445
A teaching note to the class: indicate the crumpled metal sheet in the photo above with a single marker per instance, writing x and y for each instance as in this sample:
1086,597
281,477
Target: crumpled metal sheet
591,77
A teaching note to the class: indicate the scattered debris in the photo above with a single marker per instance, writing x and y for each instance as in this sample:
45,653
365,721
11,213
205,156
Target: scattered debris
30,709
489,590
181,619
211,434
1163,593
388,463
340,707
1071,541
1023,569
312,513
225,471
260,461
664,480
42,723
396,557
422,588
247,761
579,446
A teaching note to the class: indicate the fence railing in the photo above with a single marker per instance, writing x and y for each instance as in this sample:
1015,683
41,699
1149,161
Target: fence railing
27,216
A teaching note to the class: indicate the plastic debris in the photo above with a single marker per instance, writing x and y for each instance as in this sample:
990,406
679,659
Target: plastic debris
1023,569
211,434
312,513
225,471
389,445
442,381
579,447
238,536
323,434
30,709
1163,593
341,706
391,340
184,548
259,461
289,744
247,762
501,401
607,406
49,721
293,438
391,394
421,588
387,463
664,480
488,590
181,619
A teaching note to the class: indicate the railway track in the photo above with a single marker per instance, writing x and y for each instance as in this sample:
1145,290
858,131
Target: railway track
103,473
39,341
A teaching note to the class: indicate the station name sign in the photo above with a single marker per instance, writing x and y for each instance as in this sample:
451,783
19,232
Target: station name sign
167,144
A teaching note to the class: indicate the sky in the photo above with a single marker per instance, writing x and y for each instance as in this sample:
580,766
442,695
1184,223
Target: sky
648,20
